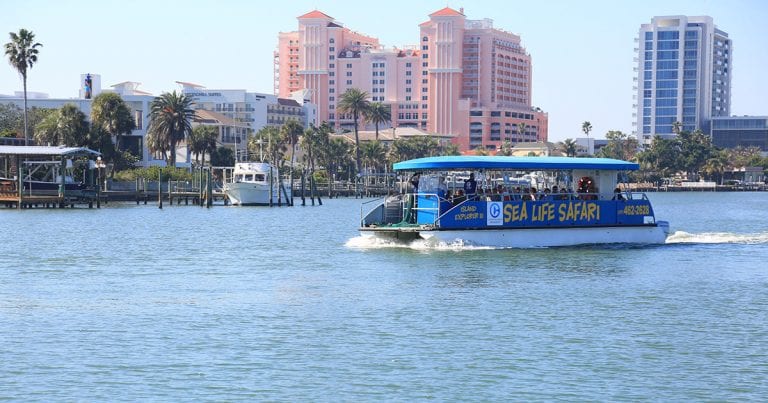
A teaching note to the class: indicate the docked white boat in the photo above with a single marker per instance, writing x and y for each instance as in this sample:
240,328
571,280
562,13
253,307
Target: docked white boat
579,203
255,184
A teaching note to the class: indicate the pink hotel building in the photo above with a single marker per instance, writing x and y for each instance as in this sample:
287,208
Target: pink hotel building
464,79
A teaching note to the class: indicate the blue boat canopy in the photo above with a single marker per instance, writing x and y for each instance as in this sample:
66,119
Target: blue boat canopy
518,163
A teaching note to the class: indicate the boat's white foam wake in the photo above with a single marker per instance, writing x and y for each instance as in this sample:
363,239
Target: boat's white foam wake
717,237
373,242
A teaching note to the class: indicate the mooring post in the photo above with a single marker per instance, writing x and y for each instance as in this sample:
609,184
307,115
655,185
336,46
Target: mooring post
160,188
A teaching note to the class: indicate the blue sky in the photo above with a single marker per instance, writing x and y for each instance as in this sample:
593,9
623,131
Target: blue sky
582,51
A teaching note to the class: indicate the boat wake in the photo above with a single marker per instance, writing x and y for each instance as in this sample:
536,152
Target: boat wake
682,237
372,242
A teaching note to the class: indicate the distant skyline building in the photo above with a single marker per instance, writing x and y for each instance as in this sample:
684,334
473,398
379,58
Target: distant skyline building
684,69
465,78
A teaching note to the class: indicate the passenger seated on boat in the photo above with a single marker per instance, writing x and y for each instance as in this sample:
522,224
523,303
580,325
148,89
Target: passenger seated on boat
529,194
458,197
442,188
617,195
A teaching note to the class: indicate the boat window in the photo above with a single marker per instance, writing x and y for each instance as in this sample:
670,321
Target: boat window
259,177
238,178
249,178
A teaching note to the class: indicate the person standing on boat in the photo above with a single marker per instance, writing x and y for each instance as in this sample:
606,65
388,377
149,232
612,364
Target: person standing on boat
470,186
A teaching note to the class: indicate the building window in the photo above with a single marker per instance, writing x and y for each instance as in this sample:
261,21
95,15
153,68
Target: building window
331,49
424,98
331,98
349,65
349,82
408,73
331,41
331,82
424,39
331,57
424,64
349,74
331,90
408,98
408,64
408,89
332,66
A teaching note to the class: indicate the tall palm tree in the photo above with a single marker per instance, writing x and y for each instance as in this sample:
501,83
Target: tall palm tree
291,131
202,140
521,129
355,101
170,117
586,127
111,113
377,114
22,54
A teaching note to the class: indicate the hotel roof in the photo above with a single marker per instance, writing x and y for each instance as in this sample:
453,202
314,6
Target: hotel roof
446,12
315,14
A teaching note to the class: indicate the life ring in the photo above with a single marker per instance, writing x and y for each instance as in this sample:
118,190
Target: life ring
586,185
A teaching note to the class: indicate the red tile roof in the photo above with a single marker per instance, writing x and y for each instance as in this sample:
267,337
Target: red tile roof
315,14
446,12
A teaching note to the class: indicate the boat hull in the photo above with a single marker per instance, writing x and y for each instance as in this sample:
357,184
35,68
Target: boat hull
547,237
535,237
251,194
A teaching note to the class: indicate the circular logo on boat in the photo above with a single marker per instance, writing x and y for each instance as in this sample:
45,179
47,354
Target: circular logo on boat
495,210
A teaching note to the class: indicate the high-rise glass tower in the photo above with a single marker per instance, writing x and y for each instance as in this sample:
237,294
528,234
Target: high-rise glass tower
683,75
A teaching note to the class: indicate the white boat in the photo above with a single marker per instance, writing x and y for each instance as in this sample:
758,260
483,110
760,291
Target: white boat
499,213
254,183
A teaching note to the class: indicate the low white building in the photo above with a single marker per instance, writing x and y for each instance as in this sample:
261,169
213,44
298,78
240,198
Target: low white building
236,113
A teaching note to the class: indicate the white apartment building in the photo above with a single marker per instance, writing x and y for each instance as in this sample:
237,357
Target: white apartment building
683,75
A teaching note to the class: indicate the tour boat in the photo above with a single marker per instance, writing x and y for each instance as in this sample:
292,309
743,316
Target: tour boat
517,202
255,183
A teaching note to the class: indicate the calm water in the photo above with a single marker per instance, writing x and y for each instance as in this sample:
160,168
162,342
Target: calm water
186,303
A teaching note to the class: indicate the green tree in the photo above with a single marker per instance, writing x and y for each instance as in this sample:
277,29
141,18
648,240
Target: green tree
660,159
202,140
22,53
223,157
112,114
521,129
272,144
569,147
715,166
291,132
68,127
506,148
620,146
695,148
11,117
374,155
170,117
586,127
354,101
378,113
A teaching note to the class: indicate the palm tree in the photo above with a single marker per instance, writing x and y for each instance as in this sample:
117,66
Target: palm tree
586,127
377,114
110,112
374,154
67,126
22,54
291,131
202,140
521,128
355,101
170,121
569,147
